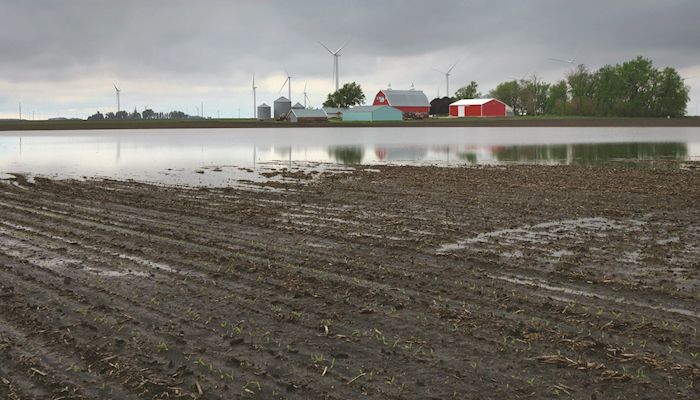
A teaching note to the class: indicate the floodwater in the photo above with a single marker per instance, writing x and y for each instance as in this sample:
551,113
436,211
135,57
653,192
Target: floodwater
220,157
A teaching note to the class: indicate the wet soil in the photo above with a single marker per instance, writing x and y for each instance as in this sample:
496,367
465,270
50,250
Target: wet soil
389,283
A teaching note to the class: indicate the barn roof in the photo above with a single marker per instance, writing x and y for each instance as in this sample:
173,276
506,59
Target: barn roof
406,98
473,102
334,110
306,113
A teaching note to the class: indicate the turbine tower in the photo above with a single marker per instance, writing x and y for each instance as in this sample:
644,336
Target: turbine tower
306,95
118,92
335,55
255,102
447,77
288,82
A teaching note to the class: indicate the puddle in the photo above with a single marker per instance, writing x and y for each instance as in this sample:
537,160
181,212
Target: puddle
546,232
519,280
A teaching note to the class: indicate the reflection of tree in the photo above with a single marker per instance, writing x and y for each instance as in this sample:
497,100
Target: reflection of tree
593,153
470,157
347,154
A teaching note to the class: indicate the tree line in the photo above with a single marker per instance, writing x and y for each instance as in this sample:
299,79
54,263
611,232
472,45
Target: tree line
135,115
634,88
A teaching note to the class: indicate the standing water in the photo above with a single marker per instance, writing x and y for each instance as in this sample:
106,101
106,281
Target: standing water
220,157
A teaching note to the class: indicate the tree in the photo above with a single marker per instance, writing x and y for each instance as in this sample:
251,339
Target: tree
509,93
96,117
148,114
110,115
581,86
135,115
670,94
177,115
557,98
121,115
349,95
471,91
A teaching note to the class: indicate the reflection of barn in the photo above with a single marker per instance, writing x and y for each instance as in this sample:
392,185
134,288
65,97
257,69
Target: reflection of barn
410,102
403,153
478,108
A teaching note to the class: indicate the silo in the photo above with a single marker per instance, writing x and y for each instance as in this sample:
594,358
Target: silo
298,106
282,107
264,112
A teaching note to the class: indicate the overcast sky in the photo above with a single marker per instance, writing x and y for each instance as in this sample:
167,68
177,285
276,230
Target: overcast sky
61,57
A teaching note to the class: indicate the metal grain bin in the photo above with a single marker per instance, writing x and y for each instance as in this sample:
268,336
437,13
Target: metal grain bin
264,112
282,107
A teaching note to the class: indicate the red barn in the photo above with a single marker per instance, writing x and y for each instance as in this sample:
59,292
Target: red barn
408,101
479,108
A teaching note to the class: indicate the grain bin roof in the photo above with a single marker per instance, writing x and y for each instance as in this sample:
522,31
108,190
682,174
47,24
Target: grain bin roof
283,100
406,98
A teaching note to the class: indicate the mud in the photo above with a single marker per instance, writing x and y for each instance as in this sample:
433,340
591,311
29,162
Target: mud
386,283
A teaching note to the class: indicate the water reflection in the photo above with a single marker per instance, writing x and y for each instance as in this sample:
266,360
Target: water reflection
348,155
594,153
174,156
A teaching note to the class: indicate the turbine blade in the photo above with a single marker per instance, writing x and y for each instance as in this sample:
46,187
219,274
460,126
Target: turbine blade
453,65
285,82
324,46
341,47
437,70
559,60
253,79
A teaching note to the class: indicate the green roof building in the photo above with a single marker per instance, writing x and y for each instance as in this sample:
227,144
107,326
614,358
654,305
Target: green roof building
372,114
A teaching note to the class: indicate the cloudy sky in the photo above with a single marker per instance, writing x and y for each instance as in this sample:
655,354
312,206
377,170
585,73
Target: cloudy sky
61,57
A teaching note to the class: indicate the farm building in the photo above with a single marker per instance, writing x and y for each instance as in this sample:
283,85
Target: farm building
305,115
334,112
478,108
410,102
441,106
298,106
372,114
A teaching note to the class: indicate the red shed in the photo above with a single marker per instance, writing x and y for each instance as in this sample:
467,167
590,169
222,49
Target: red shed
408,101
479,108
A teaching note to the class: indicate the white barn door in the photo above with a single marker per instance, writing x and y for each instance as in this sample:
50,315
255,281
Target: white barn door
460,111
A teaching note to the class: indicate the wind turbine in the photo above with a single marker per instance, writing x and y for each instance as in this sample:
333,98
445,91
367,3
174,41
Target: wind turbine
447,77
288,82
335,55
118,92
570,61
255,102
306,95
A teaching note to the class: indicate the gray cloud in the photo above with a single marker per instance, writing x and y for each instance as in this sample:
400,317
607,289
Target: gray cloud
63,55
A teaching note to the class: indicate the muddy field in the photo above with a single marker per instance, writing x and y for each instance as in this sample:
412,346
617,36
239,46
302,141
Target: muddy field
385,283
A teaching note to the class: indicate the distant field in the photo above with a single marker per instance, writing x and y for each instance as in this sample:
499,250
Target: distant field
437,122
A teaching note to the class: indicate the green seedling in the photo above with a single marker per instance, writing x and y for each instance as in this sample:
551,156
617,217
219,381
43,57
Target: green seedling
161,347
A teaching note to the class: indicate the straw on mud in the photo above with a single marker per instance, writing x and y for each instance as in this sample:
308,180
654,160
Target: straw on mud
356,378
38,372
